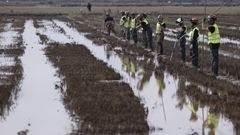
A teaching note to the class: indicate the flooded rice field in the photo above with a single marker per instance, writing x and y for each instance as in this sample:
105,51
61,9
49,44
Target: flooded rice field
59,76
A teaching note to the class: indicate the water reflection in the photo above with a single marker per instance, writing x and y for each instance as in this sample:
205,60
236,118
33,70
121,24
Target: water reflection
172,105
202,118
10,70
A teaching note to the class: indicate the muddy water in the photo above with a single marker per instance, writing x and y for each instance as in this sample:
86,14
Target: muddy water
7,39
9,36
167,112
39,109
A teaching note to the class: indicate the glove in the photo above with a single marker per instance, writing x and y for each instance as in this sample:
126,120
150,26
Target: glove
163,25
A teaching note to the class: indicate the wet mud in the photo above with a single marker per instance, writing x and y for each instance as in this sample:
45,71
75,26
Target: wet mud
128,58
101,107
177,69
110,86
11,70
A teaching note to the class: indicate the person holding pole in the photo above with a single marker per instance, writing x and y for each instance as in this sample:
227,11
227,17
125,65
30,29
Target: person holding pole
160,27
181,37
214,40
193,37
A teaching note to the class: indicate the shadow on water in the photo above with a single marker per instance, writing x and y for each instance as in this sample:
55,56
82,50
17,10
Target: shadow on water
172,104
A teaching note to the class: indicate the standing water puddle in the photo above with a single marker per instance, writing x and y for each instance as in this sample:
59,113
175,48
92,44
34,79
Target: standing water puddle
7,39
39,109
157,93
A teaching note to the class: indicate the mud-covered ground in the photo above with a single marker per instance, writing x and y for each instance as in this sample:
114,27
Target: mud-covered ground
205,89
64,69
11,50
95,94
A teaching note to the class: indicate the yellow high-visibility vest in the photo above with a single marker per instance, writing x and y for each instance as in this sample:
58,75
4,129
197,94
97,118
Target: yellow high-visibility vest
146,21
214,38
158,28
191,33
133,23
127,22
121,23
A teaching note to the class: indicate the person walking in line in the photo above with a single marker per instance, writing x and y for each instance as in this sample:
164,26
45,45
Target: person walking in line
133,25
160,27
181,36
89,7
127,25
194,39
109,24
121,23
214,40
146,32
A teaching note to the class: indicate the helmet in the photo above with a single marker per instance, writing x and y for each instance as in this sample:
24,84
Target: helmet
179,20
160,18
133,14
122,13
144,15
194,20
138,16
212,18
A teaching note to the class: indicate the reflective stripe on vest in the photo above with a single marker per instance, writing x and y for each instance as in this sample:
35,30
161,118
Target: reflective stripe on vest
214,38
146,21
158,28
191,34
133,23
122,21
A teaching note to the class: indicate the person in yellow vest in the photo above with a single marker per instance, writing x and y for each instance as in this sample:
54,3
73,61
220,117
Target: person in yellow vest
127,25
193,38
133,26
160,27
214,40
146,31
121,23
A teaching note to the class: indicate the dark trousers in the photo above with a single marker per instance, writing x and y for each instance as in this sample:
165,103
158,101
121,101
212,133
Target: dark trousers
150,40
159,47
127,32
144,36
134,35
183,48
215,58
122,34
195,55
147,38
